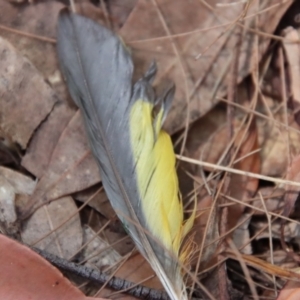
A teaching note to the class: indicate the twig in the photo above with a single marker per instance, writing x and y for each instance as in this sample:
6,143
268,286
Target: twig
102,278
236,171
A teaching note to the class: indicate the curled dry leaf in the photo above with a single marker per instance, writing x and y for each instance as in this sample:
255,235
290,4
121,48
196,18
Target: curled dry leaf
26,275
71,168
207,76
25,96
64,241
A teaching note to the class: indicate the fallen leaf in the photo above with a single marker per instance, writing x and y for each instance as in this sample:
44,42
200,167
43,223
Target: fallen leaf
241,235
22,184
291,291
137,269
41,229
26,275
98,253
12,183
273,198
205,31
45,139
274,140
25,96
39,19
71,168
206,226
98,200
242,187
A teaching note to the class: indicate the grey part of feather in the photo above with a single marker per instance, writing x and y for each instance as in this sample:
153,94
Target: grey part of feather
98,70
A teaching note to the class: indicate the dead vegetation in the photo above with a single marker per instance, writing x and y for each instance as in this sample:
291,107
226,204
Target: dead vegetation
235,126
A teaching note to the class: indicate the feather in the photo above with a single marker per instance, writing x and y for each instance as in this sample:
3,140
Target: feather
135,156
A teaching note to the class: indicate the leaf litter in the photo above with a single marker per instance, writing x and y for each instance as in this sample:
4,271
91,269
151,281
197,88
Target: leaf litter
193,43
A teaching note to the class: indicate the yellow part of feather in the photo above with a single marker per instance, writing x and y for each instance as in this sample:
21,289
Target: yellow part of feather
157,178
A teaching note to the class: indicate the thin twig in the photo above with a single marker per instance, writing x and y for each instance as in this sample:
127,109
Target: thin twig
236,171
102,278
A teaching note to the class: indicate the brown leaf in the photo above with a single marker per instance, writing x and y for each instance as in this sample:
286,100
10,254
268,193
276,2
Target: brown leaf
97,200
26,99
242,187
206,77
71,168
64,241
274,140
205,227
45,139
38,19
26,275
137,269
291,291
202,131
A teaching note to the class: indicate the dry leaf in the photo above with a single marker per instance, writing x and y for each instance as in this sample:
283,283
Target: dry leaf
71,168
205,227
22,184
214,43
273,198
98,200
137,269
291,291
241,235
39,19
98,253
242,187
26,275
202,131
45,139
274,140
12,183
64,241
25,96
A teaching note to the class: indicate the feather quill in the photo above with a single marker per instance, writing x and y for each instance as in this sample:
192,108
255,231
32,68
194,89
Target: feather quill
135,156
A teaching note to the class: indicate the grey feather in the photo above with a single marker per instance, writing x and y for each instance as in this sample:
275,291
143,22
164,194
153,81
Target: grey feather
98,70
